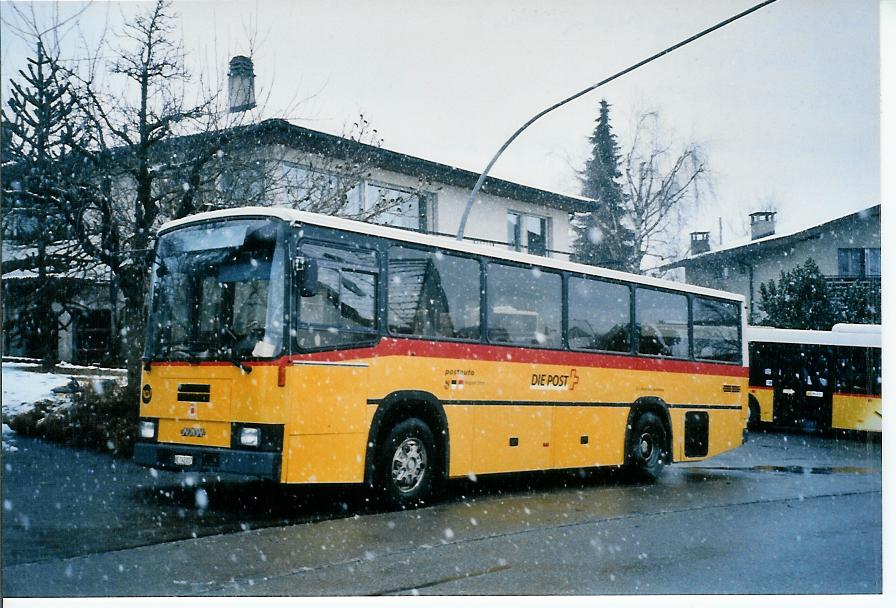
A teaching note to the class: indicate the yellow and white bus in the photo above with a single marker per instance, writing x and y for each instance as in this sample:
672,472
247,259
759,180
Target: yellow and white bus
816,379
310,349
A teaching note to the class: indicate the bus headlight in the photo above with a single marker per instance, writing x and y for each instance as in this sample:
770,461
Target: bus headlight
250,436
146,428
256,436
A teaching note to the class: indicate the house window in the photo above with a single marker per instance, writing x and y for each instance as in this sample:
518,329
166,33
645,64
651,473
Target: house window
527,233
395,207
243,184
320,191
857,262
331,193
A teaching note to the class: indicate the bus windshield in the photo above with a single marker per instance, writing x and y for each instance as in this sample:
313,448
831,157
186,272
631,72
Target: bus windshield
218,292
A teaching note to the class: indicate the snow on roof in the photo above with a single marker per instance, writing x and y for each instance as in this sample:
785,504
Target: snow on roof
87,270
841,335
338,223
772,237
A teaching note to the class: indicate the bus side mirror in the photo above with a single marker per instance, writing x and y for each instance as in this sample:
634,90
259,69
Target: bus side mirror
307,271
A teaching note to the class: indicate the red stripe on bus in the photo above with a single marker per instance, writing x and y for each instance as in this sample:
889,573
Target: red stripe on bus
487,352
403,347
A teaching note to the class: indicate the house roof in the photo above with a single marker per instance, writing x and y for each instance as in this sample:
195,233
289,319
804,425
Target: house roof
282,132
771,241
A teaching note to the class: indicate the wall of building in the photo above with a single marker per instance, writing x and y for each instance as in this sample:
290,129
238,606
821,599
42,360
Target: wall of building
488,218
446,203
77,341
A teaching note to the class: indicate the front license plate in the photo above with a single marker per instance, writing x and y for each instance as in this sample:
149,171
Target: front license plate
183,460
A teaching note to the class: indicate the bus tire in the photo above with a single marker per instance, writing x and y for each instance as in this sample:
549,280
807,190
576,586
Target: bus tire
407,465
646,450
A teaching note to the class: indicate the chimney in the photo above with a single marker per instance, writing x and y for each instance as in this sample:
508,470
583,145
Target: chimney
762,223
241,84
699,242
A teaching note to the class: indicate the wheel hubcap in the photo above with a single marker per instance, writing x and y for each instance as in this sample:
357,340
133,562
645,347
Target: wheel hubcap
646,446
408,464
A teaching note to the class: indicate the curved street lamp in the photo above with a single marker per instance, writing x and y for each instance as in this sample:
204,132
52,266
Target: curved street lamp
481,180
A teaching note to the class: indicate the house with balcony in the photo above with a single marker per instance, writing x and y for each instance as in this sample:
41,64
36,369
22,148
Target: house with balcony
846,250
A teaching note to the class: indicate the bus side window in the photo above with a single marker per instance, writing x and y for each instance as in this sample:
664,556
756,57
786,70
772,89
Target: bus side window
433,294
342,309
716,330
523,305
875,381
661,319
599,315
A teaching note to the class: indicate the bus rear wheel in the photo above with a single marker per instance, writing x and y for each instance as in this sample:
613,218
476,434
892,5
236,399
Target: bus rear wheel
407,465
646,450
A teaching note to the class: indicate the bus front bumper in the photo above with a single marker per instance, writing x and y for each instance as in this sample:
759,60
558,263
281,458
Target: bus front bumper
176,457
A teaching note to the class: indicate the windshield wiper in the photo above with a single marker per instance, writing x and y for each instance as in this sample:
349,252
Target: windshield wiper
243,366
233,338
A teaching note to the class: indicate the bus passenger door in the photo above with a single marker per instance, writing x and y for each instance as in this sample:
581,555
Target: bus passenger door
328,422
789,408
803,394
818,388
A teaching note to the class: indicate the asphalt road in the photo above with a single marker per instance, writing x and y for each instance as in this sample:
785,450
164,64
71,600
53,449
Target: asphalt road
783,514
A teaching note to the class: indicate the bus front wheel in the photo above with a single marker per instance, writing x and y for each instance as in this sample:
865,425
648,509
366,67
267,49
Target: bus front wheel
645,456
407,465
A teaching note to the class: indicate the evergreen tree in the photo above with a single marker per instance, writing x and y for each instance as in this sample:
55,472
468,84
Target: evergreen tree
604,236
799,300
38,139
859,302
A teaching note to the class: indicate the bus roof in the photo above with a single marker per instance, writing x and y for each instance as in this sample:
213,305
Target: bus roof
870,338
398,234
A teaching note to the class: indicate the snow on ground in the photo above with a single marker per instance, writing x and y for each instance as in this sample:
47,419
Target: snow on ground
23,385
8,434
112,372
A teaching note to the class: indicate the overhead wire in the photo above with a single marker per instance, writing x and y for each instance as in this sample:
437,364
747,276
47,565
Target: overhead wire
643,62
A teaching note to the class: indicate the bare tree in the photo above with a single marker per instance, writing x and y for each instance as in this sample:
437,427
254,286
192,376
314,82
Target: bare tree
663,182
136,176
153,155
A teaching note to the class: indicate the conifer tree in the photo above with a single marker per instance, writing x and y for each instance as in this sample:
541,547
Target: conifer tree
799,300
604,236
35,183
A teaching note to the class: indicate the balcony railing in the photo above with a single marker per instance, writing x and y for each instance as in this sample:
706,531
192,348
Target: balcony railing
839,283
551,253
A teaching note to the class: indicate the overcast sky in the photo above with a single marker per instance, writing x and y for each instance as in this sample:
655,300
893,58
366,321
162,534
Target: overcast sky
785,102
